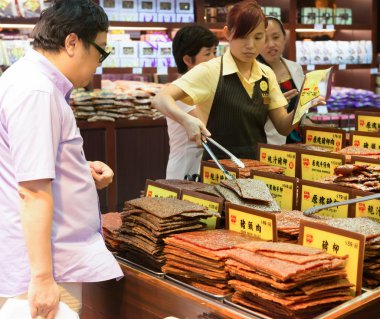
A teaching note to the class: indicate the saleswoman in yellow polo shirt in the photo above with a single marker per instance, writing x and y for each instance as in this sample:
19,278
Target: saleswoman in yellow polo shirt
234,94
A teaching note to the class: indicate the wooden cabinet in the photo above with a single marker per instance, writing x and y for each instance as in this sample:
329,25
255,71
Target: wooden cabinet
135,150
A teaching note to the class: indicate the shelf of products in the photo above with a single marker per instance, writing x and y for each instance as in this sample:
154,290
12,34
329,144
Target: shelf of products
361,16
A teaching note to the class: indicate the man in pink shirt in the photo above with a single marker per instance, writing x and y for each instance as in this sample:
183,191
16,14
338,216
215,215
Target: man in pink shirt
50,229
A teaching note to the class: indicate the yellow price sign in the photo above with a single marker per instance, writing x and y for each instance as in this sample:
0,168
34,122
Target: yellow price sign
330,140
367,123
366,141
213,175
316,167
281,191
154,189
311,196
370,208
337,242
277,157
212,203
260,225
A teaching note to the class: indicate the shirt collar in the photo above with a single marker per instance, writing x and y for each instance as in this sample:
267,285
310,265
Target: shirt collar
230,67
50,70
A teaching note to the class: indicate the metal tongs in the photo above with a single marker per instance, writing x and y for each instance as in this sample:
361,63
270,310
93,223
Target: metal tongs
237,161
316,209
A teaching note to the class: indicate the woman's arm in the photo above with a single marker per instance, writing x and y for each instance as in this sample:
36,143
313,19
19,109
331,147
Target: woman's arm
165,102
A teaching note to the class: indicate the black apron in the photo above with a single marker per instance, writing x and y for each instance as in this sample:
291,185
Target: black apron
237,120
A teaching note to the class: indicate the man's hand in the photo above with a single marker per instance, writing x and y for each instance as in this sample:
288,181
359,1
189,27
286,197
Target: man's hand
43,296
101,173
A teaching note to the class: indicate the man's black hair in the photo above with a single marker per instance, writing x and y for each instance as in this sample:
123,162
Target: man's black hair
82,17
189,41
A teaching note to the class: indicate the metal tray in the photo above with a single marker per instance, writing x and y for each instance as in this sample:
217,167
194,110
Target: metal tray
177,281
141,267
228,301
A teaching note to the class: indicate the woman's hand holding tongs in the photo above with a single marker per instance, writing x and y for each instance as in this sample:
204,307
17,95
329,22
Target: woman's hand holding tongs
195,128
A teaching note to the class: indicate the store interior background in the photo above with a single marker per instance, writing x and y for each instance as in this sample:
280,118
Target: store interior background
138,150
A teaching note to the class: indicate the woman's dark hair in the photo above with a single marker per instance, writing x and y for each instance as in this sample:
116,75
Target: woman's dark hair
278,21
244,17
189,41
82,17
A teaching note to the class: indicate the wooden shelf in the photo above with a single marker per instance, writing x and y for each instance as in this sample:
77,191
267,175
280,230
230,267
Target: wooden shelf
336,27
348,66
116,70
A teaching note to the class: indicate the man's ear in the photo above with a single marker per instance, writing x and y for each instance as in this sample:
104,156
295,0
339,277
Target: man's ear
71,43
188,61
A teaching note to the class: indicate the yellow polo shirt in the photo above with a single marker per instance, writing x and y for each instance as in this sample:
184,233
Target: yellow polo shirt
200,83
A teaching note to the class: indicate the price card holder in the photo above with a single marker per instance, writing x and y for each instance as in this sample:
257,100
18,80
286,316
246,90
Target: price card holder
260,225
282,188
365,139
315,165
310,67
137,70
312,194
212,203
154,189
329,138
212,175
365,160
337,242
367,121
279,156
369,208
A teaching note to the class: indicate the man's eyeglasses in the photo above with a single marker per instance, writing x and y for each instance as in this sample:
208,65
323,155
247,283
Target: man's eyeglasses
103,54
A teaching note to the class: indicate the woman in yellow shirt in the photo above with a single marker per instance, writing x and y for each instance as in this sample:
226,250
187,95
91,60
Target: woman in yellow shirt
234,94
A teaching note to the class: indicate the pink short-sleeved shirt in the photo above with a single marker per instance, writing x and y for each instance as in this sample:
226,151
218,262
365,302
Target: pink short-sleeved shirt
39,139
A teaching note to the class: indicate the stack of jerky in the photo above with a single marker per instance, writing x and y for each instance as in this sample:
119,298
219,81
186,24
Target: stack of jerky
371,229
288,224
198,258
286,281
82,104
248,192
148,221
251,164
111,224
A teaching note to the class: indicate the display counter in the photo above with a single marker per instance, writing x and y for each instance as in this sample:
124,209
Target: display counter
140,295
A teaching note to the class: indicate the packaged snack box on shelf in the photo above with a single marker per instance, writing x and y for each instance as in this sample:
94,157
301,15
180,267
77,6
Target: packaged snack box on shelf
128,16
148,49
113,15
131,62
343,16
110,4
165,6
8,9
164,50
166,17
166,62
130,5
184,6
147,5
148,62
129,49
309,15
184,18
272,11
326,16
29,8
148,17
